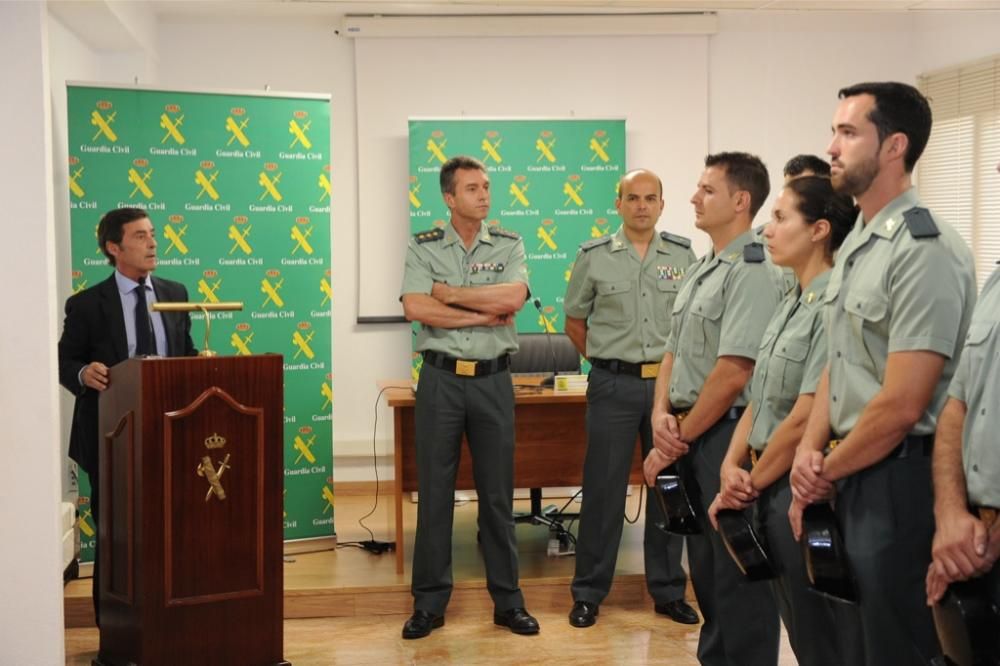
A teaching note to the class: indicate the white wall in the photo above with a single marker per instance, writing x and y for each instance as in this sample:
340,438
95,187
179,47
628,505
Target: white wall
661,89
31,621
772,83
773,78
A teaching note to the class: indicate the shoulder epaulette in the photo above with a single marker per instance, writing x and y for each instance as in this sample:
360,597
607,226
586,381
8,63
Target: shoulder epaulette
753,253
596,242
506,233
429,235
920,223
674,238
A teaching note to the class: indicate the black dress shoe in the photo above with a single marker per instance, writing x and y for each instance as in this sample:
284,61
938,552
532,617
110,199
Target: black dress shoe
584,614
421,623
678,611
517,620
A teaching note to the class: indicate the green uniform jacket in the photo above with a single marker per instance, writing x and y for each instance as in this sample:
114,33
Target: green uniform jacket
627,301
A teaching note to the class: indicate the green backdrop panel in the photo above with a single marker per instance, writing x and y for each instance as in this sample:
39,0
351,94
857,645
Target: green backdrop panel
238,188
553,181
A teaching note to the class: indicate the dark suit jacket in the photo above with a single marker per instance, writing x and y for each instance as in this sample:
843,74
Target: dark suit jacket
94,330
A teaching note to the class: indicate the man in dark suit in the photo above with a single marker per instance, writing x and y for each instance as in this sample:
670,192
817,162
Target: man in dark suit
111,322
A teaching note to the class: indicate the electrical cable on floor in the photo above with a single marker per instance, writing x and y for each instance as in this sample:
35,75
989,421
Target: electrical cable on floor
372,545
638,511
567,526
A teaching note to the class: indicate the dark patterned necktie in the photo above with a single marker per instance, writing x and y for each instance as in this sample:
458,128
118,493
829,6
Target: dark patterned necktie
145,341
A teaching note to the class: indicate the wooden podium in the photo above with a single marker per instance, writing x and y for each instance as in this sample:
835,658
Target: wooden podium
190,523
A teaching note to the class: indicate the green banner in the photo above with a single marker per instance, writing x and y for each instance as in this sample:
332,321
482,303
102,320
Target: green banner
238,188
552,181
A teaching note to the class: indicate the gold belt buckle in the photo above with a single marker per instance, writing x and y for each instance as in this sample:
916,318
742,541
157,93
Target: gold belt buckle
833,443
650,370
988,515
754,457
465,368
680,416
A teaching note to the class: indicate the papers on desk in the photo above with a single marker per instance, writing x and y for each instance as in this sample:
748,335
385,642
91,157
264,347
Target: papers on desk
571,384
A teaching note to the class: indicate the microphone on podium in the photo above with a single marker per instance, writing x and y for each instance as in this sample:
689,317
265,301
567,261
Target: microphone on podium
550,380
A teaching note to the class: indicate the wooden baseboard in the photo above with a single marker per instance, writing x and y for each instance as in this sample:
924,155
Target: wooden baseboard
356,488
315,545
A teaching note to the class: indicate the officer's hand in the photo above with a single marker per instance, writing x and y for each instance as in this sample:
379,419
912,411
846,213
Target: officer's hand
936,584
442,292
735,485
667,435
959,546
498,319
713,511
806,477
654,464
721,502
795,517
96,376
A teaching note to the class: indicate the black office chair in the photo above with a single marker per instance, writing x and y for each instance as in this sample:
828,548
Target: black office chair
547,354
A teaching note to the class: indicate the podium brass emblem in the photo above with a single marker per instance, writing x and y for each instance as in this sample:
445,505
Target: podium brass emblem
207,470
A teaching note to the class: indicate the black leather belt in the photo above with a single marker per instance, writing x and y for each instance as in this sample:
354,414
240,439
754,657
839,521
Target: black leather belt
467,368
642,370
731,414
912,445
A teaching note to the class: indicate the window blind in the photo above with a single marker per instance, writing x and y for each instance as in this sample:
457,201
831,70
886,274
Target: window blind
957,174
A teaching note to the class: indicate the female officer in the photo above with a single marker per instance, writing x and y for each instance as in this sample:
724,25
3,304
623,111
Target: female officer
808,224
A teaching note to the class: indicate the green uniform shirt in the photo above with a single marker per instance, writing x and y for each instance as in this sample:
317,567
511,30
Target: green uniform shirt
722,309
891,292
790,361
976,384
496,256
627,301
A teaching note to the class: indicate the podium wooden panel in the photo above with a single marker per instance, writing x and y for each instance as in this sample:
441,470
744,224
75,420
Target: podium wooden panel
190,524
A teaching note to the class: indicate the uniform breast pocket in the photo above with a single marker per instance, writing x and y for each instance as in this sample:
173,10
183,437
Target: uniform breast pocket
868,312
976,347
614,302
791,356
480,278
667,290
702,335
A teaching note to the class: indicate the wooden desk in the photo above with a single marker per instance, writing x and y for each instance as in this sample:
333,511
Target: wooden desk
551,439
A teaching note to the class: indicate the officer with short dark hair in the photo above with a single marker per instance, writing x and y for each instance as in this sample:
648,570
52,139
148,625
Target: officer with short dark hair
464,283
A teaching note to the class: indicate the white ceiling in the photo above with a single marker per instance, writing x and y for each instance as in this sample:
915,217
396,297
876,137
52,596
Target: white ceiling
136,19
339,7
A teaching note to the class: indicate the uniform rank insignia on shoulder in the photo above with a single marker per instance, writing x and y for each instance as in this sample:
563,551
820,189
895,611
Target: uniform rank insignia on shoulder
506,233
428,236
920,223
674,238
753,253
591,244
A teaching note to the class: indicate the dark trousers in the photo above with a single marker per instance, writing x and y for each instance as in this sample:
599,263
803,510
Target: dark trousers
618,409
821,632
482,408
887,512
741,626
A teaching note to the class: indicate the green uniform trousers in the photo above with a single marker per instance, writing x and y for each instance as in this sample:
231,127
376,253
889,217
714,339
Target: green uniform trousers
448,405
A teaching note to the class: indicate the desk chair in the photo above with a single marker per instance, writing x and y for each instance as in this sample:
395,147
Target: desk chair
547,354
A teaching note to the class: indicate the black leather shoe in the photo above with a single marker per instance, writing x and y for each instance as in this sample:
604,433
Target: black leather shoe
421,623
678,611
584,614
517,620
